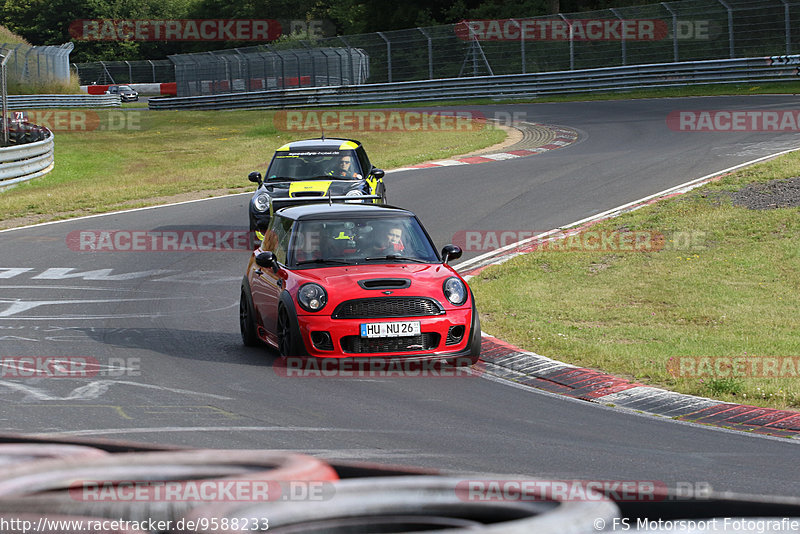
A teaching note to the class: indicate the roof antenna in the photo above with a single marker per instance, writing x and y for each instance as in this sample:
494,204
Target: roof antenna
321,129
330,197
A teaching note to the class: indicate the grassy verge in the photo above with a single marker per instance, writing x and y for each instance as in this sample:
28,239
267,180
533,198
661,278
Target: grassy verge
70,86
726,284
127,158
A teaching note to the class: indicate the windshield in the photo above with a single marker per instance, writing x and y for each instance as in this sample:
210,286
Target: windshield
352,241
312,165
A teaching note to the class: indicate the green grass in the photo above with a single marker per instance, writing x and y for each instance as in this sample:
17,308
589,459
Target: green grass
151,155
9,37
726,284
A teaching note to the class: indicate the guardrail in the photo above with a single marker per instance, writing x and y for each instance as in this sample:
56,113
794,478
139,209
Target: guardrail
22,162
63,101
760,69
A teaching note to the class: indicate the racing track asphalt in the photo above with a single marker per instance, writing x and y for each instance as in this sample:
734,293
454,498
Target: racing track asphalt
172,318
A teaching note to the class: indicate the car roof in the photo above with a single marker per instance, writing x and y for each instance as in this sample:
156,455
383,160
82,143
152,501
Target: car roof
321,144
323,210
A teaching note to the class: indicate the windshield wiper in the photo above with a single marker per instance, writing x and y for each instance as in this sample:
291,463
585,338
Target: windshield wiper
395,257
324,260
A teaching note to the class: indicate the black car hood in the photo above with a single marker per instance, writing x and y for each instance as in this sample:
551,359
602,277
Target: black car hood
310,188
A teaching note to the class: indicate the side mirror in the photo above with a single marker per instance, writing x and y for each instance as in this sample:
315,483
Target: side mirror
378,173
450,252
267,260
255,176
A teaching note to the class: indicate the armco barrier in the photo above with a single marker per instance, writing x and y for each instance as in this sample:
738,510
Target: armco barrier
19,163
62,101
750,70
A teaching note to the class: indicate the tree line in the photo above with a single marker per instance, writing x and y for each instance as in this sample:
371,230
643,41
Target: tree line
48,22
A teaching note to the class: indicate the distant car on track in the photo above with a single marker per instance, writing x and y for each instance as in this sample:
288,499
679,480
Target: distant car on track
126,93
341,280
335,168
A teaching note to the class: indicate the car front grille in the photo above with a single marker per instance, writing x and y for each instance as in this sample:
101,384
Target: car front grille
360,345
380,307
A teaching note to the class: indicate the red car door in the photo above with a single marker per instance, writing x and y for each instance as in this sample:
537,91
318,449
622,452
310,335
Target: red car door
265,283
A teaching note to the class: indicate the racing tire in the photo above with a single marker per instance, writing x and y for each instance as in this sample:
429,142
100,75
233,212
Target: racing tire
414,504
247,318
288,338
475,345
54,486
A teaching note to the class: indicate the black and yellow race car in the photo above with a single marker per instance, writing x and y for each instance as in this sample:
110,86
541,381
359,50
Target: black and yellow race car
336,170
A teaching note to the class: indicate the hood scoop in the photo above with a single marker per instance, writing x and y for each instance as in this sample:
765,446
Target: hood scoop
385,283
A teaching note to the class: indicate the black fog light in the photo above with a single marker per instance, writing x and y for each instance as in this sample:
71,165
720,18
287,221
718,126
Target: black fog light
455,334
322,340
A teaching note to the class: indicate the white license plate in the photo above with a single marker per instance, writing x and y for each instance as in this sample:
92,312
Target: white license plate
396,329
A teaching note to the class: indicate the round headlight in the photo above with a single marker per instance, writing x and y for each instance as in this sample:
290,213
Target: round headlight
354,193
312,297
455,291
261,202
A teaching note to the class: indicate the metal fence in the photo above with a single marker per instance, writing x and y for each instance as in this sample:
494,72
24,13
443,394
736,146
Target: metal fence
37,65
123,72
260,68
666,32
655,33
747,70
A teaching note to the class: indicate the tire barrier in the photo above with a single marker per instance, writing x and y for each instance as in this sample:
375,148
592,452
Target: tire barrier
157,486
407,504
40,496
12,453
21,133
29,155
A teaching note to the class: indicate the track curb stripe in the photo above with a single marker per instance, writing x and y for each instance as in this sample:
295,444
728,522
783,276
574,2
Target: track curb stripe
557,137
512,363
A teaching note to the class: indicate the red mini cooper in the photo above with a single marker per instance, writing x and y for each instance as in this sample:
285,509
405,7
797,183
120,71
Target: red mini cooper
356,280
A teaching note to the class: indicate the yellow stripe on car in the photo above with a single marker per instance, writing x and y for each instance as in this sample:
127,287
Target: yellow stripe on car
348,145
304,186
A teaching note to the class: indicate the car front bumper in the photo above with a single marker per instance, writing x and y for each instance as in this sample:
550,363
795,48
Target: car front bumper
435,340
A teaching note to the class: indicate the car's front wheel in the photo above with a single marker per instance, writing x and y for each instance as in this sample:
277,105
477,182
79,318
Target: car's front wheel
475,343
247,320
286,338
